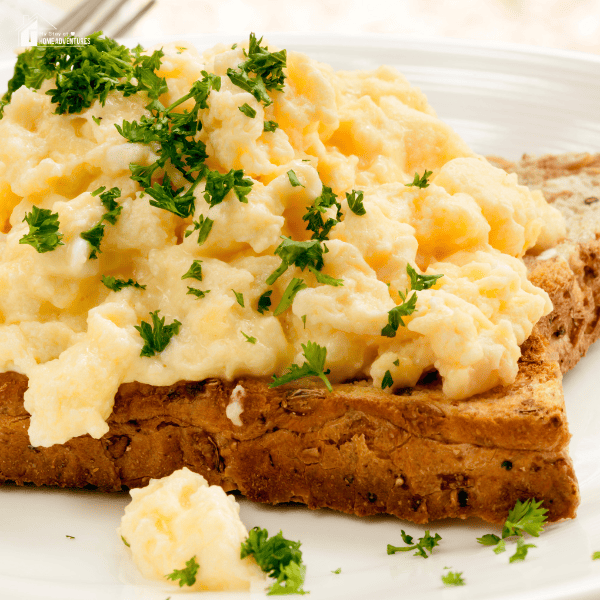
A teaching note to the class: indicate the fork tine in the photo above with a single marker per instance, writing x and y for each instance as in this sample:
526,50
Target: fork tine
127,26
78,16
101,24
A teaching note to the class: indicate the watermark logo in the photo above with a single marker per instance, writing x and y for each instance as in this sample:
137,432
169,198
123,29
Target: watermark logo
37,31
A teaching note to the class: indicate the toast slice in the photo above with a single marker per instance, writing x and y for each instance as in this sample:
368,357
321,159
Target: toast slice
416,454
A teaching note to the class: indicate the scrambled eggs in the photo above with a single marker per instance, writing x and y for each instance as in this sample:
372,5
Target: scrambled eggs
179,517
77,341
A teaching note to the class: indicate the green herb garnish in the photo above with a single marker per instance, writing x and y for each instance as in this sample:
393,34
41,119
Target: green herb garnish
521,551
270,126
264,302
247,110
314,215
202,226
249,338
300,254
295,182
315,356
114,284
279,558
425,544
185,576
43,230
194,272
395,315
158,335
421,282
293,287
453,578
196,292
239,297
355,202
421,181
387,380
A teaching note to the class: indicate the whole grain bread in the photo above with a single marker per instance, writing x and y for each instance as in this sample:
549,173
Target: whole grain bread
414,454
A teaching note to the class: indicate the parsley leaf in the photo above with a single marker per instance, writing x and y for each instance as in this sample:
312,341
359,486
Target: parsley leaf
525,517
165,197
453,578
196,292
203,226
43,230
596,555
249,338
279,558
97,120
521,551
337,571
158,335
301,254
108,199
325,279
114,284
270,126
194,272
185,576
355,202
266,68
421,282
239,297
294,179
420,181
489,539
395,316
293,287
219,185
247,110
314,214
264,302
315,356
425,544
387,380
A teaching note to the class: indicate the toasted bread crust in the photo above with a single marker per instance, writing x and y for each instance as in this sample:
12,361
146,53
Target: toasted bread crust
415,454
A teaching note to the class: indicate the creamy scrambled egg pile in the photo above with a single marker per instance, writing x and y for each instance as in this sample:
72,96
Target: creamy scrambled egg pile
369,131
181,516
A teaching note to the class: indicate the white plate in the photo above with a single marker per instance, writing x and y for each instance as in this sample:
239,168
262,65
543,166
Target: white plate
504,101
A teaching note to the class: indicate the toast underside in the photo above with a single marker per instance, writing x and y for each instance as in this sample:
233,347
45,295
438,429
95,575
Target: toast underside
414,454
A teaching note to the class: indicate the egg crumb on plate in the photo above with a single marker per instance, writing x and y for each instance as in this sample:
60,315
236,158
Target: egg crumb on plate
179,518
267,250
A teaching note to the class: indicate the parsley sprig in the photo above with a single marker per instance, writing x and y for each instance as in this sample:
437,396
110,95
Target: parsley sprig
425,544
453,578
158,335
279,558
408,305
114,284
314,215
261,71
86,73
113,209
314,365
420,181
43,230
186,576
526,517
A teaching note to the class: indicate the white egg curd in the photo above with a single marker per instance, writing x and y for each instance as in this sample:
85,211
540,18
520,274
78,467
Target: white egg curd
223,214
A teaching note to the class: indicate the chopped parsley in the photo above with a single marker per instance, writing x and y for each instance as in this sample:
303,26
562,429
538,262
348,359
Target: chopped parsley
202,226
113,210
158,335
70,537
125,542
295,182
114,284
293,287
239,297
270,126
395,316
387,380
421,181
314,365
279,558
337,571
425,544
261,71
521,551
249,338
596,555
97,120
325,279
247,110
264,302
300,254
219,185
43,230
194,272
421,282
185,576
86,73
506,464
453,578
355,202
314,215
525,517
196,292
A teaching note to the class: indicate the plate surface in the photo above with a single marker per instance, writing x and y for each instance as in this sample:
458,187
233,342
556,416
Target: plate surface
503,101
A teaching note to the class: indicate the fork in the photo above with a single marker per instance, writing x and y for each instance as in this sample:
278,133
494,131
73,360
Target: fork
105,12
